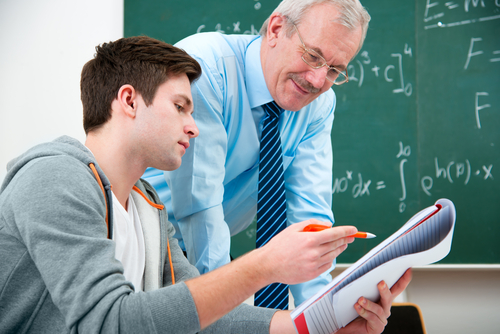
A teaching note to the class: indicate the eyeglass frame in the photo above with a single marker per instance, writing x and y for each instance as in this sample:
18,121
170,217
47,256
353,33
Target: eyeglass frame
307,50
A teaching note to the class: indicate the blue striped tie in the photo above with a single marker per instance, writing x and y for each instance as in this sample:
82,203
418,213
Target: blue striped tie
271,204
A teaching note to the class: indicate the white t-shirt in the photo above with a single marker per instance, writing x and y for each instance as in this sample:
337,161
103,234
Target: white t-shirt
127,234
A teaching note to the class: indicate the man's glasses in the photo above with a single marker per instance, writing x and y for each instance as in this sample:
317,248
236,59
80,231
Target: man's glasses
313,59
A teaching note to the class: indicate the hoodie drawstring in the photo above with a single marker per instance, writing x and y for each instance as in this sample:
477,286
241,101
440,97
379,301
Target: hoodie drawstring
159,207
94,170
156,206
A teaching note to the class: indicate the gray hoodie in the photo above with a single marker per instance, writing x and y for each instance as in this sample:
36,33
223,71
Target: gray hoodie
58,271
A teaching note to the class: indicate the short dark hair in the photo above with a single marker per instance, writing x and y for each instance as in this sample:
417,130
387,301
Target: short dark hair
143,62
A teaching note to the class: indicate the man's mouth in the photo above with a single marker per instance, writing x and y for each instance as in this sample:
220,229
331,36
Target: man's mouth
303,84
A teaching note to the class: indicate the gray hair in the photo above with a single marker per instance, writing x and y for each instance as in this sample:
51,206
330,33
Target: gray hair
352,15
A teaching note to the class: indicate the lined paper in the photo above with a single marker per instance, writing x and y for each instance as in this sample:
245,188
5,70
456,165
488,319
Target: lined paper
416,239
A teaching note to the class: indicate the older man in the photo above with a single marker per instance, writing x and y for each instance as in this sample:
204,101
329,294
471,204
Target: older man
304,48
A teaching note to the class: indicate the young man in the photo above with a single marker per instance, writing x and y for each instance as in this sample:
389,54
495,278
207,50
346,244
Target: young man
304,48
86,245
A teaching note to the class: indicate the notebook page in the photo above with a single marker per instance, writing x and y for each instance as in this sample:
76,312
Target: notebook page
417,218
394,247
421,253
321,317
423,237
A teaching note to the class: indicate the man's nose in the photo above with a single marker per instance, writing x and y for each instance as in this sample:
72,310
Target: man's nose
317,77
191,129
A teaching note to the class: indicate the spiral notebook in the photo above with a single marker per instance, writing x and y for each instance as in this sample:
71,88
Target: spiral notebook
426,238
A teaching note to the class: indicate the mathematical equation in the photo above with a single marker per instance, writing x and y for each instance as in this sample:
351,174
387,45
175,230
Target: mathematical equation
234,27
451,172
455,171
480,10
392,73
476,49
481,54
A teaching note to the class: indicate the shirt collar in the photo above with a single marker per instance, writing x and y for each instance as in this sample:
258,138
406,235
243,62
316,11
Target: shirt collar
257,91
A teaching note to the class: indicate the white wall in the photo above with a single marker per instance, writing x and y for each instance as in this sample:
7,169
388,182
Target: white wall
455,299
44,45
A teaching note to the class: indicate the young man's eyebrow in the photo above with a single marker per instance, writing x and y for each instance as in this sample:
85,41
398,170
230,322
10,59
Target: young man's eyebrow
186,99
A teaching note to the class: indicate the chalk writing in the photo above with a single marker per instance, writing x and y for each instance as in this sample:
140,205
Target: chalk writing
478,107
451,172
352,71
360,187
485,11
235,25
496,52
487,172
476,50
455,171
357,73
408,50
234,30
406,152
472,54
251,232
403,89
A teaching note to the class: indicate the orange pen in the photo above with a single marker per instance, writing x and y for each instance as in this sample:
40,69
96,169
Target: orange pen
319,227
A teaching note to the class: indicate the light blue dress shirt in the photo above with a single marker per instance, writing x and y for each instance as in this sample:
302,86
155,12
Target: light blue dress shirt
215,189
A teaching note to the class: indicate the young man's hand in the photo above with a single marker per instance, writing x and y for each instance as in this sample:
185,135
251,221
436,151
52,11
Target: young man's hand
372,316
294,256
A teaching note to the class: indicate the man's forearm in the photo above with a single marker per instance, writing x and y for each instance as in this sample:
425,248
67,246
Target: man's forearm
291,257
229,286
282,323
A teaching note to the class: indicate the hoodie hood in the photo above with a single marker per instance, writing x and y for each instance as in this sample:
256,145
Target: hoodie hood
61,146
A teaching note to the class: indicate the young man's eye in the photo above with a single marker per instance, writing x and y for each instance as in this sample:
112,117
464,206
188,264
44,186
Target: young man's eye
179,107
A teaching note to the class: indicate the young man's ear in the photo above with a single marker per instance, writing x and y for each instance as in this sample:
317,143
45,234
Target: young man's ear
127,100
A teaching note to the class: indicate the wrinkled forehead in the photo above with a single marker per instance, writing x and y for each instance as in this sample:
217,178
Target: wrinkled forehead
332,40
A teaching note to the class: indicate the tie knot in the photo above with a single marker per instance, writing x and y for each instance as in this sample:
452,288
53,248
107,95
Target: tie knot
272,109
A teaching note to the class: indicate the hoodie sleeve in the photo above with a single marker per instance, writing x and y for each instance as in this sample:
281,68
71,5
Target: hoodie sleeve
57,211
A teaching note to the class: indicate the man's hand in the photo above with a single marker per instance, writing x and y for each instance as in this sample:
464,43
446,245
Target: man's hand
294,256
291,257
373,316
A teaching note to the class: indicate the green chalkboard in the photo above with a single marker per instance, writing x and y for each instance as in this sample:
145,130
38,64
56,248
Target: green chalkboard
418,121
406,133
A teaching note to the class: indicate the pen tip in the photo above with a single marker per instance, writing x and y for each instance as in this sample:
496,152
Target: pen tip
370,235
